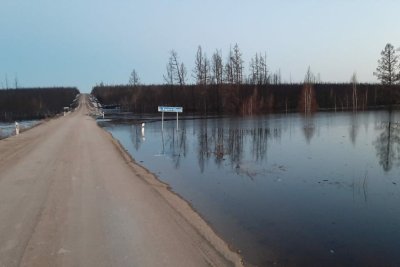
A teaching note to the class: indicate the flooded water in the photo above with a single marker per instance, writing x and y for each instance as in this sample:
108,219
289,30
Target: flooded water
8,128
286,190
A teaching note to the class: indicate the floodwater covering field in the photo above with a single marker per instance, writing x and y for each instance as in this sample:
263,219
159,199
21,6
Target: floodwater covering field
285,190
8,128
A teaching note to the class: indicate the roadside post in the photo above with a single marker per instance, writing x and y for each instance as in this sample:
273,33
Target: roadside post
163,109
16,128
143,124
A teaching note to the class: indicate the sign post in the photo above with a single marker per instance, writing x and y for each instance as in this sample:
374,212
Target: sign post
162,121
163,109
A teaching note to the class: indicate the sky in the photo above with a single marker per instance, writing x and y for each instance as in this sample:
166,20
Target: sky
85,42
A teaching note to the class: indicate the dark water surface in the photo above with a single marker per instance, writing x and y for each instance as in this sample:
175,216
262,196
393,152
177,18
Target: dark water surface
286,190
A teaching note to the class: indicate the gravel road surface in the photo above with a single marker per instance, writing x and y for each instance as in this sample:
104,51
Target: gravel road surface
71,196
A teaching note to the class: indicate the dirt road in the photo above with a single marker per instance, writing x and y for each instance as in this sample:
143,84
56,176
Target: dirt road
70,196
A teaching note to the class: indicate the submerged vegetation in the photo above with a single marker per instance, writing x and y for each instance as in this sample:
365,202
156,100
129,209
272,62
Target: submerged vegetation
34,103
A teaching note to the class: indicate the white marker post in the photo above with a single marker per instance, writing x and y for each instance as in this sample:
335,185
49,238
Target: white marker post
16,128
163,109
143,138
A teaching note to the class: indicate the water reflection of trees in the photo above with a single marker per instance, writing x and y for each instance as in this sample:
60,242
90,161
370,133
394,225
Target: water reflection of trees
216,141
354,126
218,145
308,127
203,153
387,144
136,136
228,143
174,144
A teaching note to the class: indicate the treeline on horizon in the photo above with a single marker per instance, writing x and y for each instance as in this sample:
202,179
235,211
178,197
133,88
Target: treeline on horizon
249,99
223,86
34,103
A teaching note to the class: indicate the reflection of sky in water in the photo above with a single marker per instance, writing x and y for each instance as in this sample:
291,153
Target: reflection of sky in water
316,191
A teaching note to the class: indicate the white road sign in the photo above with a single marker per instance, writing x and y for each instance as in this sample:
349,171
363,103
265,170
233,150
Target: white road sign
170,109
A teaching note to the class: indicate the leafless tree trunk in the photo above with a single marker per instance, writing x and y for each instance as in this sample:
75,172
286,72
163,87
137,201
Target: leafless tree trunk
16,82
206,71
310,77
176,72
355,97
202,68
169,76
237,65
217,68
264,70
276,77
134,79
258,70
182,74
6,78
309,80
199,66
180,69
253,70
229,74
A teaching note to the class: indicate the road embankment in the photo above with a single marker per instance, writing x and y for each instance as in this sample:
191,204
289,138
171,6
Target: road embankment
71,196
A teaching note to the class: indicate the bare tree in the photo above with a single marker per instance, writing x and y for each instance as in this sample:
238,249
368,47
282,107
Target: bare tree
134,78
16,81
201,70
263,75
176,72
169,76
6,79
217,68
253,66
229,68
237,65
309,80
258,70
276,78
206,70
198,66
388,66
353,81
182,73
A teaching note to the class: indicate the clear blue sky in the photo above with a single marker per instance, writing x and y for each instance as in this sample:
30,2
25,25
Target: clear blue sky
84,42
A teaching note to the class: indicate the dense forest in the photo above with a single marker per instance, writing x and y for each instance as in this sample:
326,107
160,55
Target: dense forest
245,99
34,103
